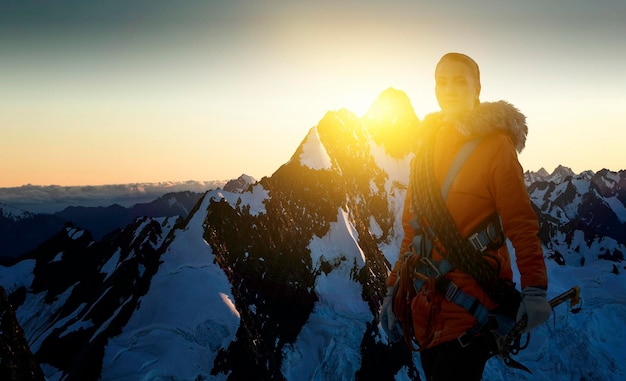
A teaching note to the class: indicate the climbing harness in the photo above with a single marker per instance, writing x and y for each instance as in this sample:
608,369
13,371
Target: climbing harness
424,271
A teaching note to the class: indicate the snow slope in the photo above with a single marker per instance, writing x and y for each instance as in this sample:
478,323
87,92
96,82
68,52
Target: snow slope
185,318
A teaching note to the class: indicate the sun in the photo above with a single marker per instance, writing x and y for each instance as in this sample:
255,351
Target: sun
361,102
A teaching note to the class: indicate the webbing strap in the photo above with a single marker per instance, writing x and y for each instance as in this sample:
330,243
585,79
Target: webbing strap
454,294
460,158
456,165
470,303
443,267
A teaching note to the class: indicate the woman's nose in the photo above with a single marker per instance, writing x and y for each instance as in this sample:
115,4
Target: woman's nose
449,89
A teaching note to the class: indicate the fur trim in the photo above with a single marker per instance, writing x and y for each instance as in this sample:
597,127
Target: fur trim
485,119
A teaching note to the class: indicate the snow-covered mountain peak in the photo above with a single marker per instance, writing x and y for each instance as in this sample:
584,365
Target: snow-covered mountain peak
392,107
542,172
239,184
13,213
392,122
314,153
560,173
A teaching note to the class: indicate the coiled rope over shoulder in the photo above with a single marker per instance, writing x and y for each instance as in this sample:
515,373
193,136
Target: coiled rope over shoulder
429,204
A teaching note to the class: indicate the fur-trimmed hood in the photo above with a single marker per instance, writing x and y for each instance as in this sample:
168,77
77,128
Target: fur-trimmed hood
483,120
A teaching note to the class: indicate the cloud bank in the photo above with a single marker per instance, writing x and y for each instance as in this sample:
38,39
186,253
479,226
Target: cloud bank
54,198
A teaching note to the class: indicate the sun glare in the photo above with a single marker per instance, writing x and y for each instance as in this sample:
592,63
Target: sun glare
360,102
382,110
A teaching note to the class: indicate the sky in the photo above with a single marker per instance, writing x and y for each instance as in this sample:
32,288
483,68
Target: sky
115,92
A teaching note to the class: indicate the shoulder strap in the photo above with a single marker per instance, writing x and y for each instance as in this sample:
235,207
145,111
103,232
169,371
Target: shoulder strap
457,163
460,158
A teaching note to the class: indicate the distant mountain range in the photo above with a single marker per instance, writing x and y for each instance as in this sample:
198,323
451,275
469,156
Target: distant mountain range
21,230
588,207
282,278
54,198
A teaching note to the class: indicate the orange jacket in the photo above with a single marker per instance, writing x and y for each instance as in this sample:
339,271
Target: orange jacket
491,180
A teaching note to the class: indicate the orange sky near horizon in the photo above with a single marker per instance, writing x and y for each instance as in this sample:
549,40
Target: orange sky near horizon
113,93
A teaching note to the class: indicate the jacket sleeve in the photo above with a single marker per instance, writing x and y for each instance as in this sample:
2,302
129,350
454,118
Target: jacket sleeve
406,240
519,220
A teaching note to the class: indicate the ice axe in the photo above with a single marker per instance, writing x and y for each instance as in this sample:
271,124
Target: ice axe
510,344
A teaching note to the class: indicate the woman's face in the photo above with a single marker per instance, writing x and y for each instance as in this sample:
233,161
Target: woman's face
455,87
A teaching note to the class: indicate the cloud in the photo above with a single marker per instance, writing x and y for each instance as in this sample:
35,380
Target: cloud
54,198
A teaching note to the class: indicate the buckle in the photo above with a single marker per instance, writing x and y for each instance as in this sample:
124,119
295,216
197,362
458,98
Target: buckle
465,340
475,240
451,291
431,269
